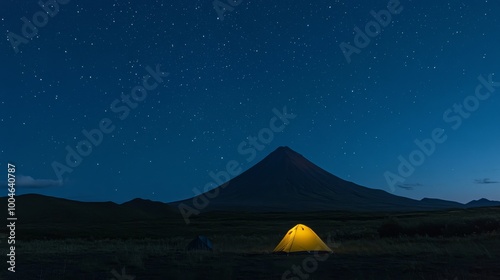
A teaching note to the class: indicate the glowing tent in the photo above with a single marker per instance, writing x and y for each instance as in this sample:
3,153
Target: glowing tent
301,238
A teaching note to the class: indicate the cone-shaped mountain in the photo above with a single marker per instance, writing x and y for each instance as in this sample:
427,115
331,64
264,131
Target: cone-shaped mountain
287,181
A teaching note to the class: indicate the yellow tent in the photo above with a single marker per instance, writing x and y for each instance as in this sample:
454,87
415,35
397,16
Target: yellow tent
301,238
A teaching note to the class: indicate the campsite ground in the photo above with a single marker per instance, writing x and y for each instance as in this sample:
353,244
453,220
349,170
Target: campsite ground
461,244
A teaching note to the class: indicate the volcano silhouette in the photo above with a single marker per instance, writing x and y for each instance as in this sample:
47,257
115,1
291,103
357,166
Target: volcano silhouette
286,181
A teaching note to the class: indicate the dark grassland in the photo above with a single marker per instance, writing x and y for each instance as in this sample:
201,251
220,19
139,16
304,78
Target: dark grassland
459,244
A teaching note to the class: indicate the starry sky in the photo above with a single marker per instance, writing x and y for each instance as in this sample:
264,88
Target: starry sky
217,79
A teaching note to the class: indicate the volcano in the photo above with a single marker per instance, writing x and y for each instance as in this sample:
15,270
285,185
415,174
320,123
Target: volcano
286,181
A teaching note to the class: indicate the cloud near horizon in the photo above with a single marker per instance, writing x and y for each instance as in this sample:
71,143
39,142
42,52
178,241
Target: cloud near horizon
409,187
31,183
485,181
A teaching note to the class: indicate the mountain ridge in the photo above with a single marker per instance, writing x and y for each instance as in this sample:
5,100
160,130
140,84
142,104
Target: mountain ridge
284,181
287,181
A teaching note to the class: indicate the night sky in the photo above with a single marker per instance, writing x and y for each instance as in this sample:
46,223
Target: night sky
216,83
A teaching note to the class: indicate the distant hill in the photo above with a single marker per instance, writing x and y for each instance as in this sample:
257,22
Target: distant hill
483,202
153,209
34,208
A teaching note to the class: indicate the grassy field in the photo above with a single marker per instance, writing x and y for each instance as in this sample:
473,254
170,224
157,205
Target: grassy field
461,244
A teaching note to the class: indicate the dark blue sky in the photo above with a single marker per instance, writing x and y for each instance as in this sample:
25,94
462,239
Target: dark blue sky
417,76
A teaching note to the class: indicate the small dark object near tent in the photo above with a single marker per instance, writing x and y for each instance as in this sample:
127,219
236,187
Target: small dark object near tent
200,243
